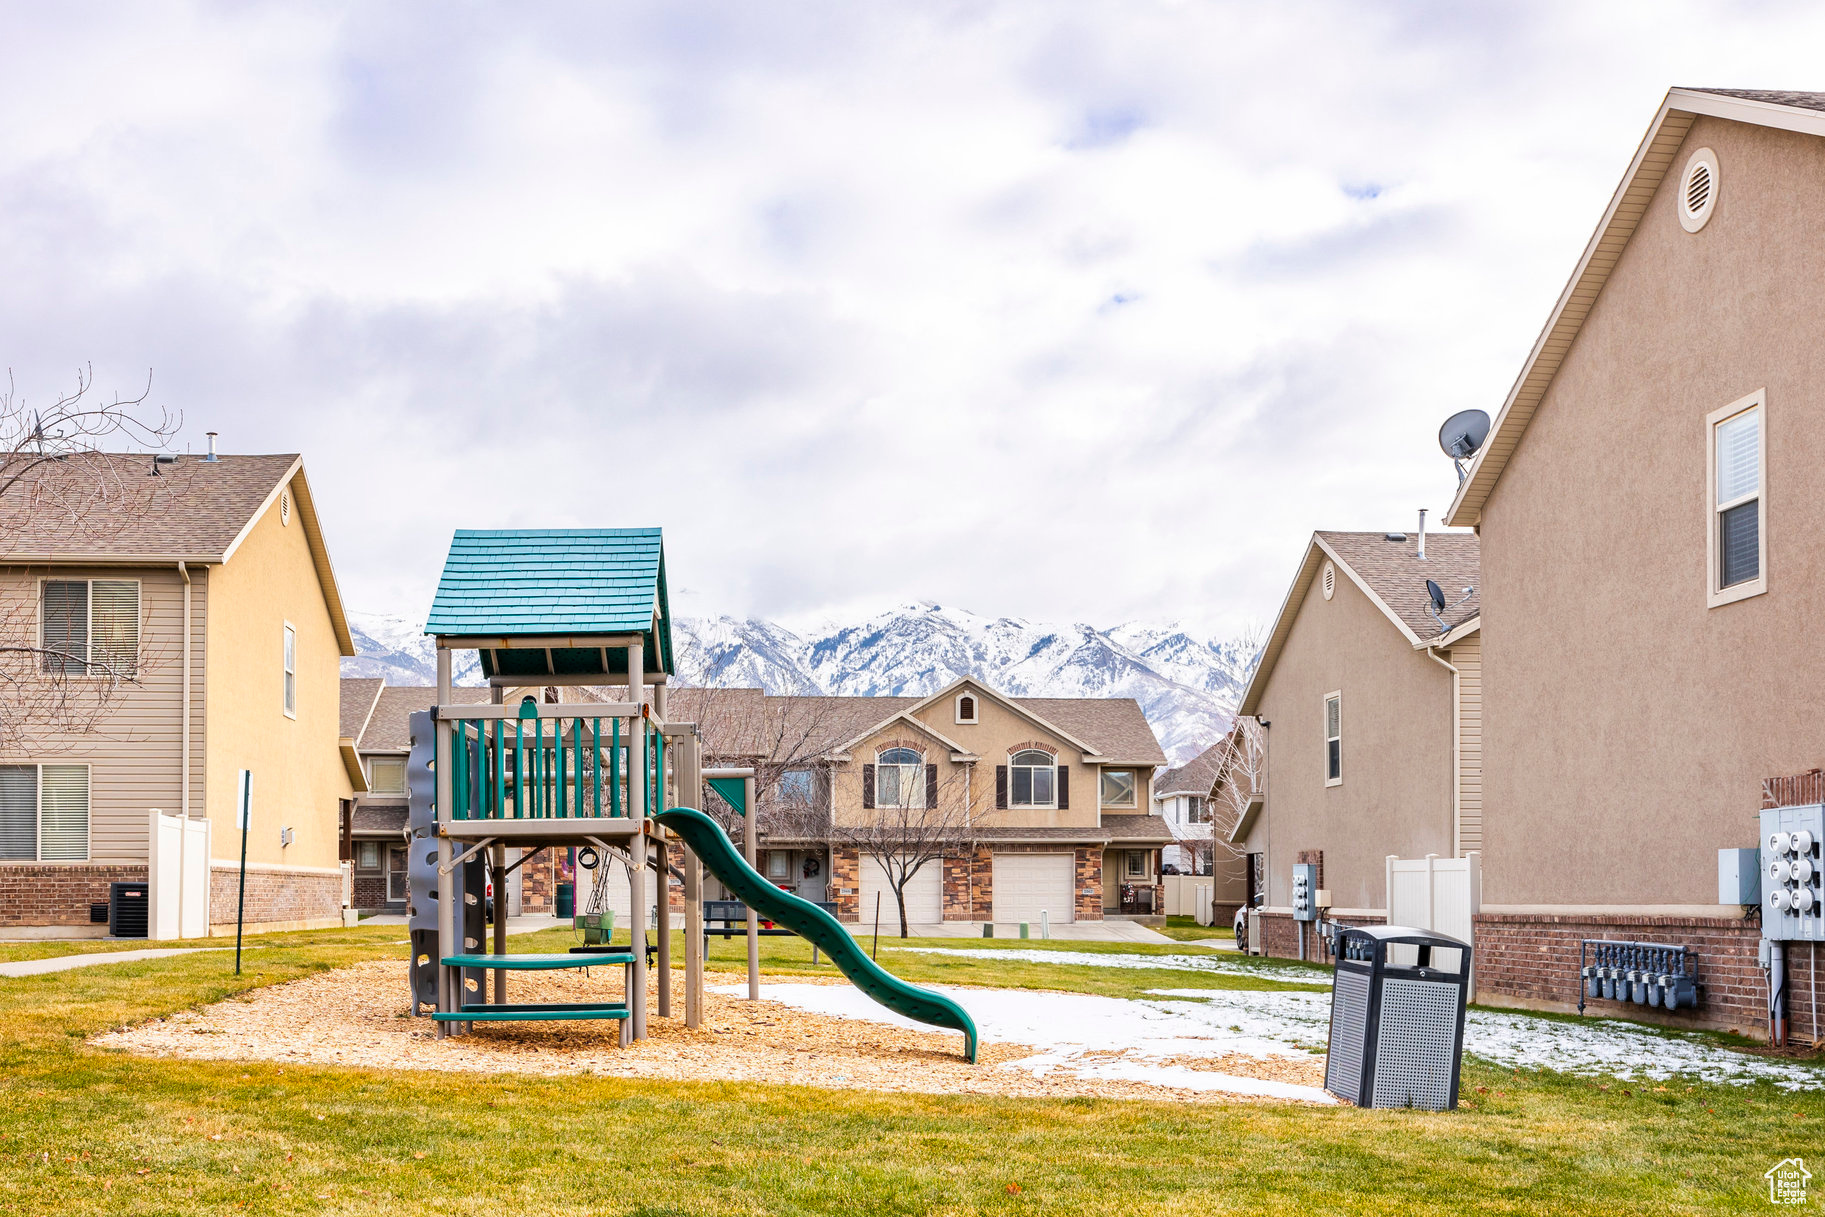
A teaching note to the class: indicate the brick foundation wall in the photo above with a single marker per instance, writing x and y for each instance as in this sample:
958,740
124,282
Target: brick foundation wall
1089,863
59,893
1280,935
370,889
845,890
274,896
539,884
1531,960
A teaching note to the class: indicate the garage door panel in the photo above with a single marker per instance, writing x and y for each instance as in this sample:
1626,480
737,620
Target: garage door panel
924,893
1026,884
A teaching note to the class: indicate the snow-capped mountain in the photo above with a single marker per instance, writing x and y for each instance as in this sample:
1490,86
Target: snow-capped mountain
1187,685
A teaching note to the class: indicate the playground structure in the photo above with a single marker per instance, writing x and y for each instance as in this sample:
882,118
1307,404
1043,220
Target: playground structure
559,609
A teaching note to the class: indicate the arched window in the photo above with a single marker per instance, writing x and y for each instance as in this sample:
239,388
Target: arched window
1034,777
966,708
899,777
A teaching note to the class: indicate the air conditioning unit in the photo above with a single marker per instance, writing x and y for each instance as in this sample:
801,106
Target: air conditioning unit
129,907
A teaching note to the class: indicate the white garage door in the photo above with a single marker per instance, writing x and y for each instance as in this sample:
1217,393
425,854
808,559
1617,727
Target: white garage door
1027,883
924,894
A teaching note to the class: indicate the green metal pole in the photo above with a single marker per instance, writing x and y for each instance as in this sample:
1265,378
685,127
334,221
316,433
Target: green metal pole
240,910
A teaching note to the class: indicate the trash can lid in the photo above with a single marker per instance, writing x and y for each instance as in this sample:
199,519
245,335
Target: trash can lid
1404,933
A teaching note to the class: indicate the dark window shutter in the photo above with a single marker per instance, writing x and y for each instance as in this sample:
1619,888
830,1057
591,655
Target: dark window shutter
1064,788
1001,787
931,785
867,785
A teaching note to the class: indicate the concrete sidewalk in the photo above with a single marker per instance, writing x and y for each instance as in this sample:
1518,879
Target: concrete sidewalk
1071,931
68,963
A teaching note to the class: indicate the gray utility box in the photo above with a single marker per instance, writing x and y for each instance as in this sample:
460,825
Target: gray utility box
1397,1017
1305,891
1791,890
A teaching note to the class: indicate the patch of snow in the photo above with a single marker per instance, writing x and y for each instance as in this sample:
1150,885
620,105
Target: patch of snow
1166,963
1170,1075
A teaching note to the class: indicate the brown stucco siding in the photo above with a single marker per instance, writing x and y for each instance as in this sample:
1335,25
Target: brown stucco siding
1395,797
1627,726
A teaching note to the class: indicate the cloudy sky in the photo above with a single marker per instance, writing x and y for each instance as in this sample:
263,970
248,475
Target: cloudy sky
1068,311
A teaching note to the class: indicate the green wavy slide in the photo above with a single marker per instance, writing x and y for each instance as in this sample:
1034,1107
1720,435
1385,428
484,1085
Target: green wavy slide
808,921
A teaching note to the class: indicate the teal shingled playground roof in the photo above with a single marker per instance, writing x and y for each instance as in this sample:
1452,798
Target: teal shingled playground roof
555,582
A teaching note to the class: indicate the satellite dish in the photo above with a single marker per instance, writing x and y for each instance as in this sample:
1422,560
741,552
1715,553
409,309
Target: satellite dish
1438,596
1461,436
1463,433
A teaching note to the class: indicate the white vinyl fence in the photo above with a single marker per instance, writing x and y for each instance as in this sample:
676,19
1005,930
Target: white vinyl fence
1189,896
1434,893
178,873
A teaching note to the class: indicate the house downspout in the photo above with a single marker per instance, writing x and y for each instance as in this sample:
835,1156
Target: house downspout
184,733
1457,768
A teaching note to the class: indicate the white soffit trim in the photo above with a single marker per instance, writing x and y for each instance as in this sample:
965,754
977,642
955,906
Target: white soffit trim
1652,162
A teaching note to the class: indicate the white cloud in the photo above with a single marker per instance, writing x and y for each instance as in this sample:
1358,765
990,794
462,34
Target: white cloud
1059,310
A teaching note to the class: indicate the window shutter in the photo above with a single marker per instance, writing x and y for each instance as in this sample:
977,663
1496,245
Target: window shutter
18,813
114,614
65,813
931,785
1001,787
868,786
64,625
1064,788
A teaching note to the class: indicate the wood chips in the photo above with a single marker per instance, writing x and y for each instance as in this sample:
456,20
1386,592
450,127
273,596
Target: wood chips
359,1016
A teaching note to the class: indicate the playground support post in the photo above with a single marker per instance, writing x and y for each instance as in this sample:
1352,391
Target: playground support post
690,790
750,844
663,877
637,810
499,858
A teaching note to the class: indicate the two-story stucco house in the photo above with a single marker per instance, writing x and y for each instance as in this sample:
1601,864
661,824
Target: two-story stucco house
1370,708
1055,792
1653,559
190,605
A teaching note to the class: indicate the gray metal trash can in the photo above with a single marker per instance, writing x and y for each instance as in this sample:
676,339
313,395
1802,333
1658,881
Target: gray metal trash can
1397,1017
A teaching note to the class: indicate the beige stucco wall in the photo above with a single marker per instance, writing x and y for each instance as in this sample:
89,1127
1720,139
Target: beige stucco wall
298,775
1395,797
134,749
1627,726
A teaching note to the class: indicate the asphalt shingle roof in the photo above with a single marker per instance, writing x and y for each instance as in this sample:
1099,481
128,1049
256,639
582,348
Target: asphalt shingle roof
1393,570
99,504
389,728
1195,776
358,694
1778,97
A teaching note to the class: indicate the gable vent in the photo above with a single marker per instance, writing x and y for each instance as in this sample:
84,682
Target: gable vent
1698,190
1330,579
284,507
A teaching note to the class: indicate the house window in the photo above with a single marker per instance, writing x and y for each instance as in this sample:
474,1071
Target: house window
900,779
44,813
90,626
795,786
291,672
1196,809
367,855
1118,788
1134,864
1333,739
399,883
1034,779
1739,463
387,774
779,866
966,708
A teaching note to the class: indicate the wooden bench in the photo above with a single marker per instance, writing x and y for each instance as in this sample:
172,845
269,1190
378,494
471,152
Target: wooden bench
734,917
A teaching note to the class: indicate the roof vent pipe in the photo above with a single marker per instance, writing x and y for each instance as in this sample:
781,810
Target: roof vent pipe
211,455
1422,534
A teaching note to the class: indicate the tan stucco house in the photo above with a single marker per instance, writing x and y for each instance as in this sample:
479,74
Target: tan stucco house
1055,791
189,602
1653,556
1369,705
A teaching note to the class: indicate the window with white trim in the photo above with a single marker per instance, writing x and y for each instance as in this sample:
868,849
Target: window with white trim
291,672
367,855
1033,779
1118,788
90,627
899,779
1333,739
1135,864
1738,466
387,774
779,865
966,708
44,813
1195,810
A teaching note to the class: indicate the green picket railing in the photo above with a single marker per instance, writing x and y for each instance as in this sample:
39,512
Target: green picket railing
544,768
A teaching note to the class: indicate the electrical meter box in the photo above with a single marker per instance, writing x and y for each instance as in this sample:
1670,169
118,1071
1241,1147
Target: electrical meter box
1790,898
1739,876
1305,891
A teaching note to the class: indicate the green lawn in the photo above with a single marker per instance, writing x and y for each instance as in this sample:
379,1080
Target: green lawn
87,1131
1187,929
